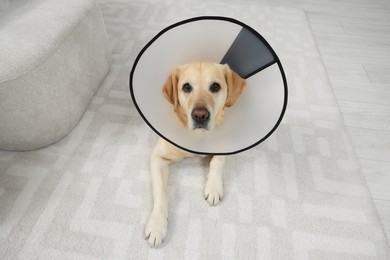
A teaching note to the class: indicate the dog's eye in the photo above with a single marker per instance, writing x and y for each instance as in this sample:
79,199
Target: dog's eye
215,87
187,88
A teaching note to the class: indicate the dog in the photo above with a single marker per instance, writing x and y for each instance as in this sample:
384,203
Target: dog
199,93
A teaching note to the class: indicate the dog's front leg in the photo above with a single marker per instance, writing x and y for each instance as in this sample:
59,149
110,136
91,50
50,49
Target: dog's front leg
213,190
156,228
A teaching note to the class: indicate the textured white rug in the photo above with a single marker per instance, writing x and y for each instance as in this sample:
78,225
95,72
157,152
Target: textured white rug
298,195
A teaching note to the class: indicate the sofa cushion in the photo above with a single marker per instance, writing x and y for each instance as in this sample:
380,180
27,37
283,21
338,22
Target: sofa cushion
54,55
30,30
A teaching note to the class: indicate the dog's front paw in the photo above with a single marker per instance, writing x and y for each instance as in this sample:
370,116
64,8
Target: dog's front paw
213,191
156,230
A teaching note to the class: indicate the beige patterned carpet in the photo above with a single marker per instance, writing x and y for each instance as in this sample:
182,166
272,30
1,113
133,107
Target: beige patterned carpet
298,195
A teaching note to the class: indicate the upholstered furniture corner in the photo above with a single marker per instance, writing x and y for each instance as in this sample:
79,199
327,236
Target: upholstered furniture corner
54,55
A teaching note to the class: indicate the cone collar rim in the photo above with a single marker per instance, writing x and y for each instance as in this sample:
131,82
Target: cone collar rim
219,18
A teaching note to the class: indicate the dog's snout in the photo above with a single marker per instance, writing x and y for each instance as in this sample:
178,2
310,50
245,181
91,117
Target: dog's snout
200,115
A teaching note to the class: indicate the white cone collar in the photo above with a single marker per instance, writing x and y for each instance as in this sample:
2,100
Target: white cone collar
257,112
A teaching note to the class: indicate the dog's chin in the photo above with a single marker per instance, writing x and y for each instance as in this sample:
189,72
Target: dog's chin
200,131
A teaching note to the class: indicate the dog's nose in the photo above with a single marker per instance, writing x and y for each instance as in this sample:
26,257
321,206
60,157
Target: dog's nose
200,115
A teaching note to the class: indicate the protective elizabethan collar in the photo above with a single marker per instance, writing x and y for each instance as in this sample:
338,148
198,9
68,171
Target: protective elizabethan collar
254,116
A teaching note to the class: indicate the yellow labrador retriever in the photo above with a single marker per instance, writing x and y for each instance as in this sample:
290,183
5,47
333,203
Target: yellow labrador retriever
199,93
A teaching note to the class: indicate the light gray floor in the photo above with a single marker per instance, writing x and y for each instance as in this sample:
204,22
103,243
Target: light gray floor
353,38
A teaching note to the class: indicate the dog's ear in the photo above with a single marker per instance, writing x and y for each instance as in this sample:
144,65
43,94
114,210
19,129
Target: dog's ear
170,88
235,86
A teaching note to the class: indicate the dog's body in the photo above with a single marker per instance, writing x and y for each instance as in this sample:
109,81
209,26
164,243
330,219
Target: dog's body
199,92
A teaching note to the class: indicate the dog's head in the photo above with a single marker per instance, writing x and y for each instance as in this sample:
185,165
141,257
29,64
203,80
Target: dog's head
200,91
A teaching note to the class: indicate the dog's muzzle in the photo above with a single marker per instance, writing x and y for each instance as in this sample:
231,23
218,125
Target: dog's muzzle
200,117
